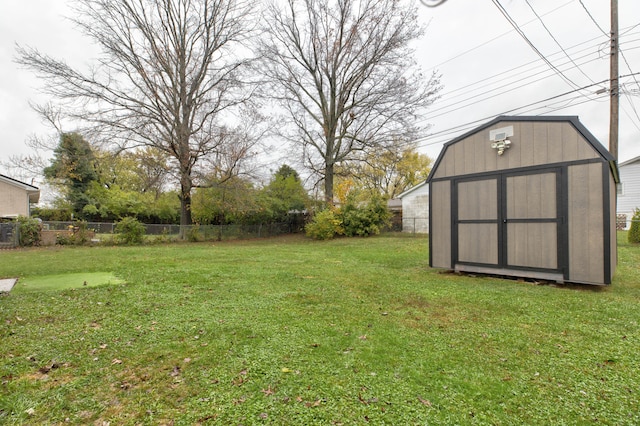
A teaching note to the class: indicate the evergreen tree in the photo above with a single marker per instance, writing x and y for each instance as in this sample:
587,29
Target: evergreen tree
73,169
286,193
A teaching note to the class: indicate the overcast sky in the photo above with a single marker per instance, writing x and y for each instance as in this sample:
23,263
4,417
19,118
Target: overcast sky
487,67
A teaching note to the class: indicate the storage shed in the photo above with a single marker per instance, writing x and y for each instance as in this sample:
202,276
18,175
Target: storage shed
527,197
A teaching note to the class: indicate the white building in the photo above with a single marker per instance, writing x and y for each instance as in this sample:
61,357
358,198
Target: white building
629,188
415,209
16,197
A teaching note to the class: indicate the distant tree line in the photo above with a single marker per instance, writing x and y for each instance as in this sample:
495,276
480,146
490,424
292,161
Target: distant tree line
102,187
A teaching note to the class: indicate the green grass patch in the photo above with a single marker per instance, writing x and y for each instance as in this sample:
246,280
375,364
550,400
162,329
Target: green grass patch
65,281
290,331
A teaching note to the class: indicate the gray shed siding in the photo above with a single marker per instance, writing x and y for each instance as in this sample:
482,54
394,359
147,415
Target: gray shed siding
586,263
440,217
544,209
539,144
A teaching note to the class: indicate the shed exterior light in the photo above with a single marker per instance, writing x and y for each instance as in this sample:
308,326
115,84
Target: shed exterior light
499,138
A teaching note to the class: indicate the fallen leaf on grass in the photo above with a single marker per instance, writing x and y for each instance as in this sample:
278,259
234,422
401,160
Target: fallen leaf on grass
116,361
207,418
425,401
240,380
45,369
367,401
175,372
268,391
313,404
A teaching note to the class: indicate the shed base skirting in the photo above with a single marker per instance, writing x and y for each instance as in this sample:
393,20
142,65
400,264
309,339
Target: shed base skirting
546,276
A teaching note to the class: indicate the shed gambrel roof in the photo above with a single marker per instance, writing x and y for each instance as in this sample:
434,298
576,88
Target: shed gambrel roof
33,191
573,120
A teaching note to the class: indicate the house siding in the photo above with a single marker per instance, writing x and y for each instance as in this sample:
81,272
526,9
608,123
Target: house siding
630,179
415,210
14,201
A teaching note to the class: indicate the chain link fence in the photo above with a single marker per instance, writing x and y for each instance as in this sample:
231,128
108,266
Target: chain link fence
9,235
195,232
415,225
420,225
623,221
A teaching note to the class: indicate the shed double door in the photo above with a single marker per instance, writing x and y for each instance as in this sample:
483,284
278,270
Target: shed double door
509,221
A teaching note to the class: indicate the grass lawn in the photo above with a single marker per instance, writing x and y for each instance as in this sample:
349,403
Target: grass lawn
293,331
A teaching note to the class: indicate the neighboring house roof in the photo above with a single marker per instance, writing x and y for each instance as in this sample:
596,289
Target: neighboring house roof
394,204
32,191
414,188
626,163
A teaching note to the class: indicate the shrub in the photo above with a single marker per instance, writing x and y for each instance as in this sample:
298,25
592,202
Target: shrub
80,234
193,234
325,225
130,231
634,230
29,231
367,220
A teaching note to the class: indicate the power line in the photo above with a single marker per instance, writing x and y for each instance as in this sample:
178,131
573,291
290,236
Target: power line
445,109
556,41
526,66
592,19
535,49
496,37
461,127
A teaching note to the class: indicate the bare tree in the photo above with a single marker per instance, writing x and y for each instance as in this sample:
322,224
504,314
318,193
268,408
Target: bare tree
169,69
343,71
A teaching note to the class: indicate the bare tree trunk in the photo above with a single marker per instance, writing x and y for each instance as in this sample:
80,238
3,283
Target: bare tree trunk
344,71
328,183
185,202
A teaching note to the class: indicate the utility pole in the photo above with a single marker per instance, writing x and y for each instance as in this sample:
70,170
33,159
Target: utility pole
614,84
